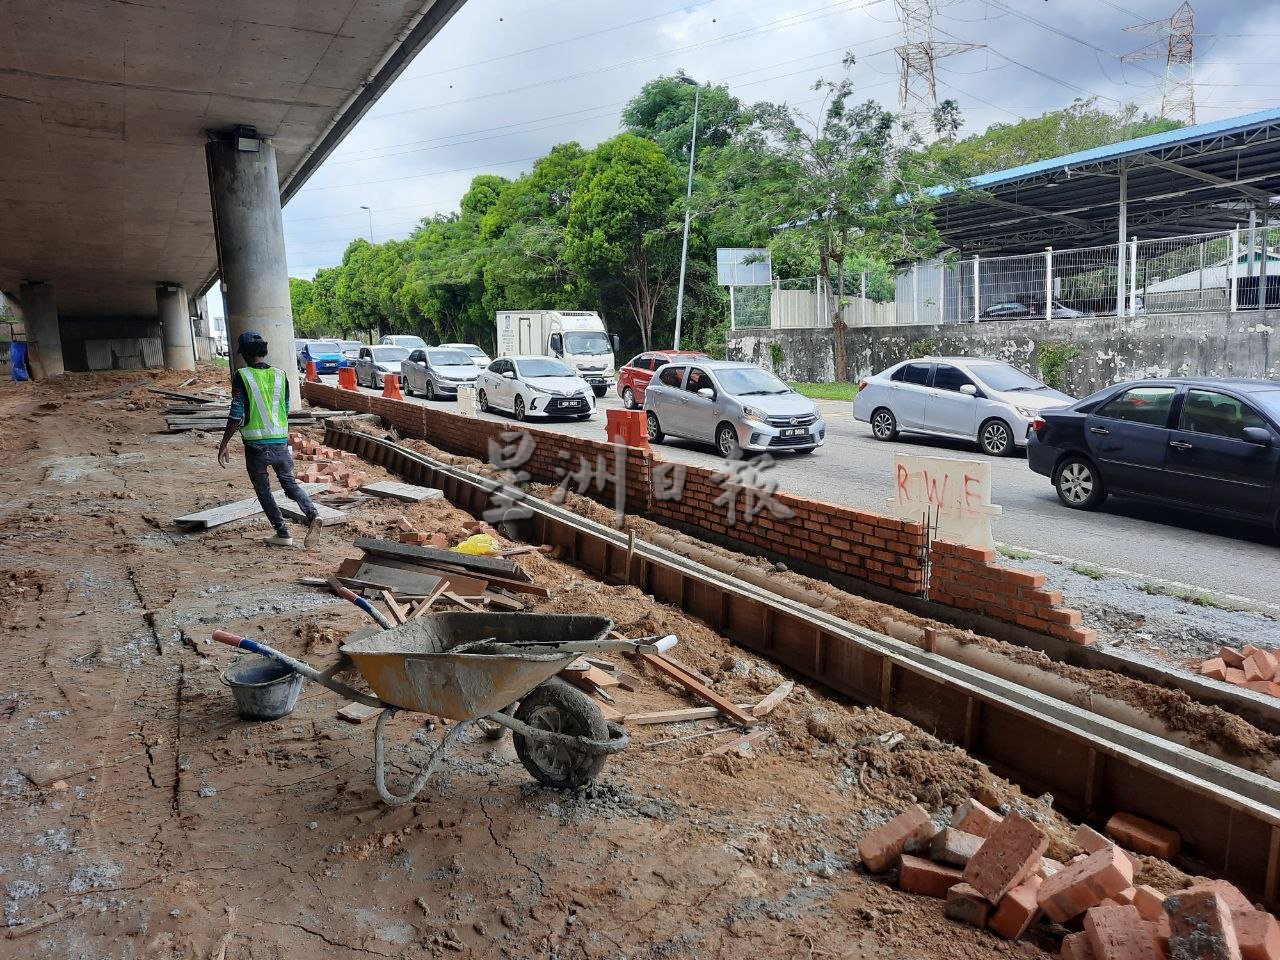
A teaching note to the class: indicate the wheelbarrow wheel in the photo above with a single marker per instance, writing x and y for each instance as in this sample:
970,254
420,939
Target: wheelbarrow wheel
557,707
493,730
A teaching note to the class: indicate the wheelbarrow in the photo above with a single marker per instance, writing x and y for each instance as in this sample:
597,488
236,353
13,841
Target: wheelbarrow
497,667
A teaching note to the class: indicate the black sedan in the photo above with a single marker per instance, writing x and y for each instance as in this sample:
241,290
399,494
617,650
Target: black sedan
1208,445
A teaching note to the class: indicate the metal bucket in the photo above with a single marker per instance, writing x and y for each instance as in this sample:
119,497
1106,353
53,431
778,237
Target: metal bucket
264,689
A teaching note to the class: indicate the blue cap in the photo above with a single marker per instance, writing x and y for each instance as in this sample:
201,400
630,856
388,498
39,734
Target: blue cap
249,341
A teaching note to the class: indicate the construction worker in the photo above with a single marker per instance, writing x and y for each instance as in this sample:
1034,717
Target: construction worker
260,411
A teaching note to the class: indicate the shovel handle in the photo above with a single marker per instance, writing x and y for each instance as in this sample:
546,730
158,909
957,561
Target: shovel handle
352,597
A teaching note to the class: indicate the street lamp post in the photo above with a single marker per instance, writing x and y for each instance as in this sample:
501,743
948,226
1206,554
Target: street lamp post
688,206
370,213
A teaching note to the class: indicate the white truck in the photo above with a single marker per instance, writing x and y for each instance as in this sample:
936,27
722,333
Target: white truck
577,337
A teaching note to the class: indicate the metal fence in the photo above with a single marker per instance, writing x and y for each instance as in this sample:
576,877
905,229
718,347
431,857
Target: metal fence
804,302
1228,270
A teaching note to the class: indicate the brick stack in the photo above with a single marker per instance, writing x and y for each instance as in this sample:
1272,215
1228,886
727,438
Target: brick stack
992,873
1252,667
321,464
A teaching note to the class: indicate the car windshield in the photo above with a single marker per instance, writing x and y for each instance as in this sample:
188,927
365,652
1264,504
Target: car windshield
407,341
543,367
324,346
389,354
1004,378
591,343
448,358
1269,400
750,381
351,344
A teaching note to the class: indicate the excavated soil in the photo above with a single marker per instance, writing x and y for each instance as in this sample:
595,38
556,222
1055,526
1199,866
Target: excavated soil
143,818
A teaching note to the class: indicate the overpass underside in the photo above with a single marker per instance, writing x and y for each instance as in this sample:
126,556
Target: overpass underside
147,148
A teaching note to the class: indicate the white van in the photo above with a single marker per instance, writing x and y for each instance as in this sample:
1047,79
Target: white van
577,337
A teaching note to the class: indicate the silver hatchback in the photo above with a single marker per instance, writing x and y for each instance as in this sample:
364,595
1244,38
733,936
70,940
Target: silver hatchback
737,406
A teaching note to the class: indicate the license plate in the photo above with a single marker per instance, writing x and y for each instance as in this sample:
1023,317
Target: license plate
595,379
572,403
794,432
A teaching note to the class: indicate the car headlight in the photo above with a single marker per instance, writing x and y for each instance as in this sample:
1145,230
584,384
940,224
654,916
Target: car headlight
752,414
1025,412
534,389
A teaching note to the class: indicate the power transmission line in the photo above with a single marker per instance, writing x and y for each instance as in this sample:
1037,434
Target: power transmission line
918,55
1177,45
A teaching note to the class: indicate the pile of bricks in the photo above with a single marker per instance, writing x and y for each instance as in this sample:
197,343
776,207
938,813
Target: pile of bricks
992,872
1251,667
439,538
324,464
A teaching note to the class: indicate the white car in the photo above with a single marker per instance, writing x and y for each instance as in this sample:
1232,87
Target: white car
534,387
970,398
374,363
478,356
401,340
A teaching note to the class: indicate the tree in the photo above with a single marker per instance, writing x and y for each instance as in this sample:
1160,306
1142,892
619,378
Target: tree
620,232
842,182
663,112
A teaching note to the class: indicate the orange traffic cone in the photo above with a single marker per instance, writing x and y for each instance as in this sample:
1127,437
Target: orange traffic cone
391,387
626,427
347,378
312,375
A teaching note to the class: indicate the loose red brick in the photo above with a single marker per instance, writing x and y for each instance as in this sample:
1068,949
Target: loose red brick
1075,946
1119,933
972,817
1232,658
967,905
924,877
1258,935
1017,910
1007,857
1257,668
1230,894
1149,901
1124,898
1200,926
1085,883
1215,668
881,847
1235,676
1048,867
1090,840
1144,836
954,846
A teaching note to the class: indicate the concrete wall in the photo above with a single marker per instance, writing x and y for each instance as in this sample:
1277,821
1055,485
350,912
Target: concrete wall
1110,348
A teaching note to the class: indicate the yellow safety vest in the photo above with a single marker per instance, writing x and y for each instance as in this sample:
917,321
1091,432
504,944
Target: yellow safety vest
265,419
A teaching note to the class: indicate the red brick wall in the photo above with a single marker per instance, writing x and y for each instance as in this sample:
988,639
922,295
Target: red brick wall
881,550
969,578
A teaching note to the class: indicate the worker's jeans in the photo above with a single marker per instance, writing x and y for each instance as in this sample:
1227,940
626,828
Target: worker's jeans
258,458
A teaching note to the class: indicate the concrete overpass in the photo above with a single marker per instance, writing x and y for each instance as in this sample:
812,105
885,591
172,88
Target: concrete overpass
148,145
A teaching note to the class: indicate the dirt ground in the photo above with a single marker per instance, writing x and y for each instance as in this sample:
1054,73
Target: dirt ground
142,818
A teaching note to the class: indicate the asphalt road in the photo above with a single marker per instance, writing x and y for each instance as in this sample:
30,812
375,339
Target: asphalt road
1150,540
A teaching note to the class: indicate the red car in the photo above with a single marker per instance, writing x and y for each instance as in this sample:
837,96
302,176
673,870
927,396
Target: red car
635,376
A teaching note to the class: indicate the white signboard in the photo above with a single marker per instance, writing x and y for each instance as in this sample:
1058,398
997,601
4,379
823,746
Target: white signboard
957,493
743,267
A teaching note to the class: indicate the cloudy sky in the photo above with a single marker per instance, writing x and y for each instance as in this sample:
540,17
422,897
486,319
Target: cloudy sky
507,79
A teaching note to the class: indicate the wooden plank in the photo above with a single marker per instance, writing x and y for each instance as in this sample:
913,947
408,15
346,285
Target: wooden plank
677,716
401,581
746,740
407,551
329,516
698,689
358,712
611,714
179,395
780,693
229,512
501,601
454,598
592,679
519,586
460,583
406,492
397,614
681,665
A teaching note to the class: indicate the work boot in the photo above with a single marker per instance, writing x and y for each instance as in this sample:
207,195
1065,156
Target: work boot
313,532
279,540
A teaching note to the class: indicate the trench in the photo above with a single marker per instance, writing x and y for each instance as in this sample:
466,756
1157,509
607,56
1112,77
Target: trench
1229,818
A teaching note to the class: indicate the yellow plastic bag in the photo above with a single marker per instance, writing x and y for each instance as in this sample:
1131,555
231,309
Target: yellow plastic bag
478,545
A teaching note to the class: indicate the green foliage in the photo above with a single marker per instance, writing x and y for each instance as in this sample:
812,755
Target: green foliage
922,348
1053,359
663,112
775,354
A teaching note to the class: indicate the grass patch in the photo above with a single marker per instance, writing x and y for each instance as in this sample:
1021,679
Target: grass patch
1013,553
825,391
1093,573
1199,598
220,362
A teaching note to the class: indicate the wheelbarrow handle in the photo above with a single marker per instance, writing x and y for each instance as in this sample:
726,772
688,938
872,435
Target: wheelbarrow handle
308,671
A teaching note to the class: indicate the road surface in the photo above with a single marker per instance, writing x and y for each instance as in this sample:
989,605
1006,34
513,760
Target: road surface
1151,540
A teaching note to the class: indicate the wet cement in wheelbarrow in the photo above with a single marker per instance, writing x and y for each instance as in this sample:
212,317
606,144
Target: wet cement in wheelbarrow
143,819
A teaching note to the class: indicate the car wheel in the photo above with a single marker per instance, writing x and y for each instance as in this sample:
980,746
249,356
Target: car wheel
408,388
628,399
996,438
1078,484
652,430
884,425
519,407
431,390
482,398
727,442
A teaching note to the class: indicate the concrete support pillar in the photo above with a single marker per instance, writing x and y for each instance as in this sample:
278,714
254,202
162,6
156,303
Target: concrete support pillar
175,327
200,327
40,318
250,236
